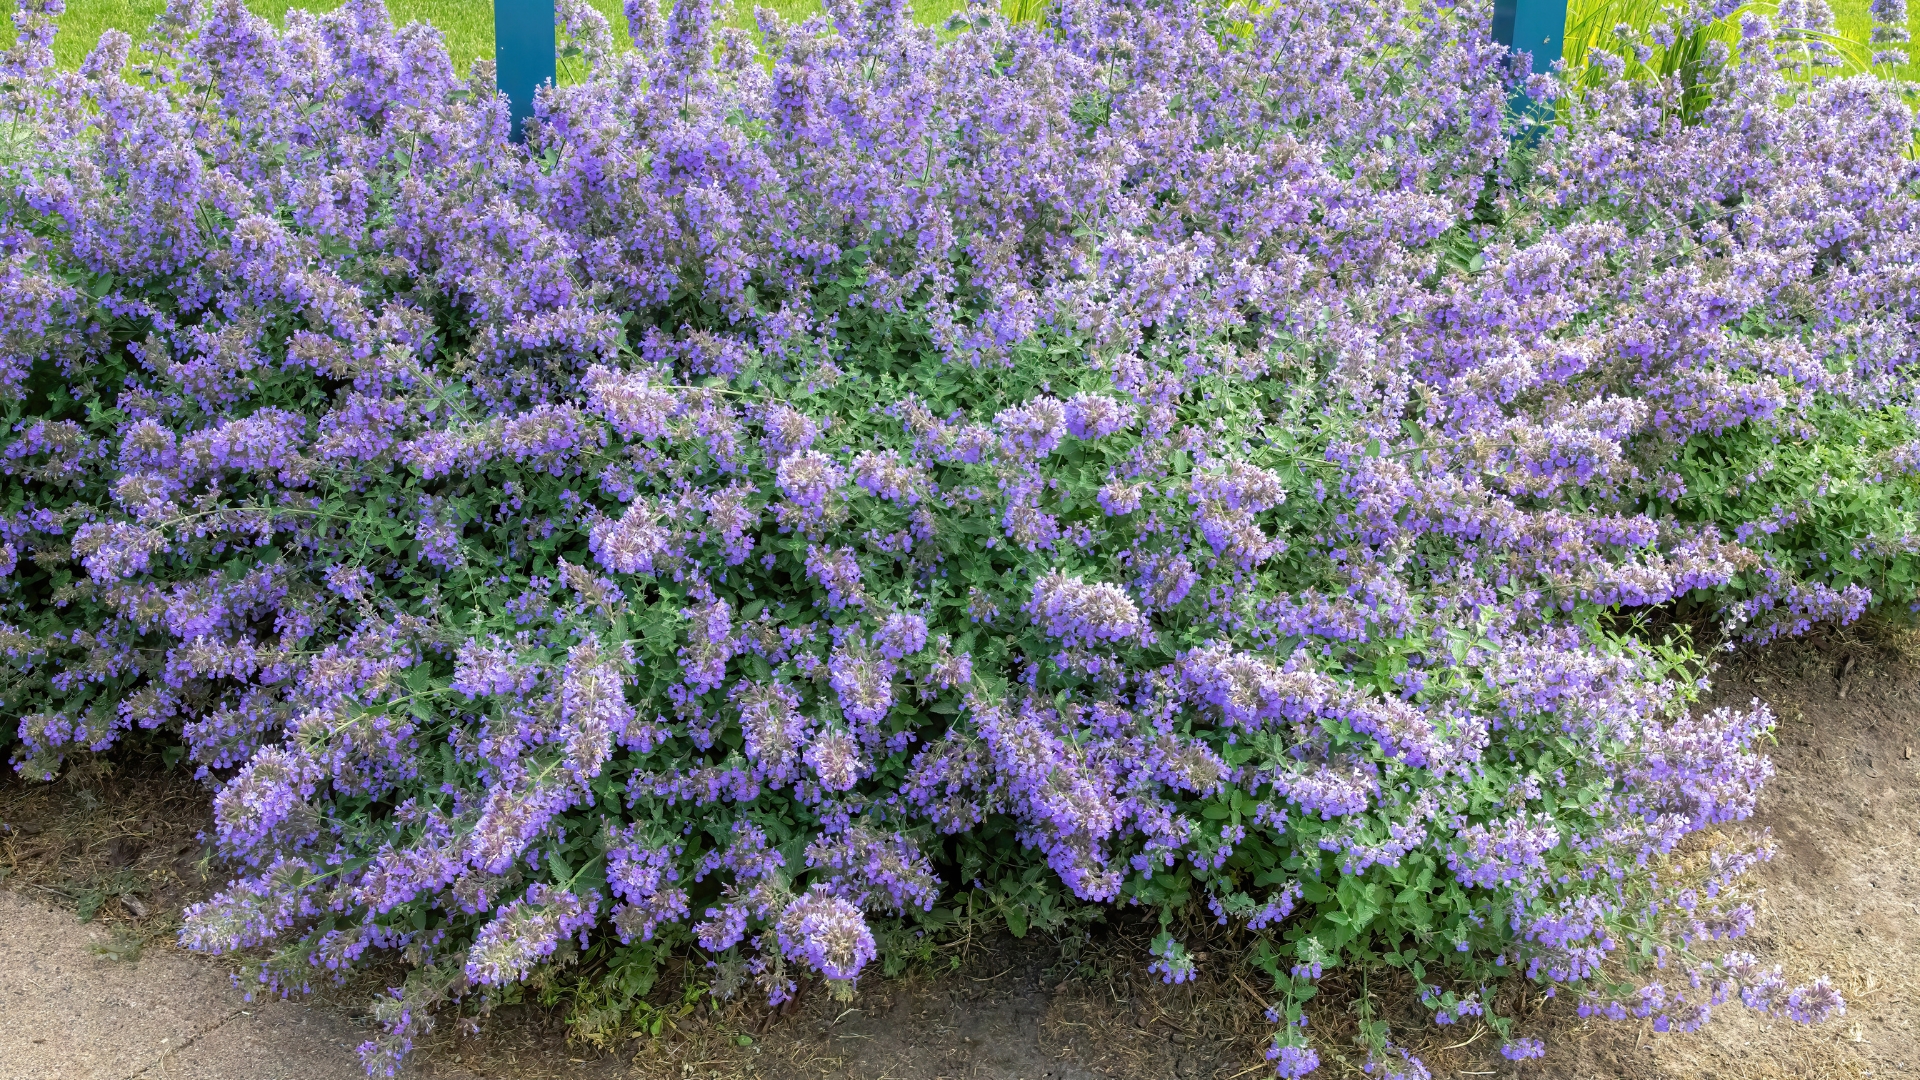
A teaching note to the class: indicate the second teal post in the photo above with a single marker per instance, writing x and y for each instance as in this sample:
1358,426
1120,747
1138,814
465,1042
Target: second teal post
523,54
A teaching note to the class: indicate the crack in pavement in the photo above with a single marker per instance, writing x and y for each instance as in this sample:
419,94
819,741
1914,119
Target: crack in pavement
170,1016
184,1043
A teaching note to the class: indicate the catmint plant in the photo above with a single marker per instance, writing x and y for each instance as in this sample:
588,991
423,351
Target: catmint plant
1184,455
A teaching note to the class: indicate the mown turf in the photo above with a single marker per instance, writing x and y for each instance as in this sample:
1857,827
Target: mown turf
1853,22
468,24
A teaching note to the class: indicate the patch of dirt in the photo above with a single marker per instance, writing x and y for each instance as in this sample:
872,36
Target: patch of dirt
118,843
1841,897
1023,1009
1842,893
1038,1009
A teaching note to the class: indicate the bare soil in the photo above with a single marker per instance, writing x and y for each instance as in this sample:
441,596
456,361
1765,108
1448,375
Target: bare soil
1840,897
1842,893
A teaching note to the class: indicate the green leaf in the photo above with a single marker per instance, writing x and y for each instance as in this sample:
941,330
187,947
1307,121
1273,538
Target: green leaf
1016,916
592,878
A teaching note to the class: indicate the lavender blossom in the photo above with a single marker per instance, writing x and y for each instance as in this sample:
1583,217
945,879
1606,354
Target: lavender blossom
525,932
839,573
835,759
900,636
827,933
1080,613
632,544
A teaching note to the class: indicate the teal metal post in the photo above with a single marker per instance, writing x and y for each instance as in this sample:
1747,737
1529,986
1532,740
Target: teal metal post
523,54
1535,26
1538,27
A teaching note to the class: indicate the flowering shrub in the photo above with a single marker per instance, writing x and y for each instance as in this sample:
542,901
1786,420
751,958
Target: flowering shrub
1173,454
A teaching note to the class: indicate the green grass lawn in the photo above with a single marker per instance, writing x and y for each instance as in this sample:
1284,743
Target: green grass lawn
468,24
1592,21
1854,24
